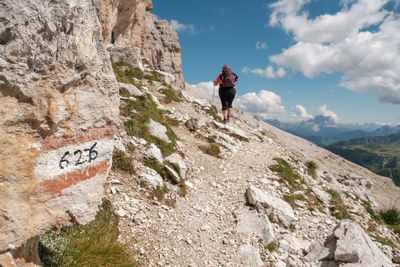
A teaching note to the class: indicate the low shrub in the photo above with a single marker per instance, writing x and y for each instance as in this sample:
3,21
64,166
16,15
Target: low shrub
122,162
125,73
171,95
311,168
159,192
211,149
390,216
338,208
94,244
286,173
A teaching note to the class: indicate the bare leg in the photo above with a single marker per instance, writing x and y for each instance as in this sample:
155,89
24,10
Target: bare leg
229,111
225,114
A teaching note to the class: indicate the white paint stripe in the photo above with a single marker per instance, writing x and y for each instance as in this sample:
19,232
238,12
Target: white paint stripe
73,157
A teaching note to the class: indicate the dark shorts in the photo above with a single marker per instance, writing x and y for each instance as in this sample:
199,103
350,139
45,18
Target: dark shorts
227,94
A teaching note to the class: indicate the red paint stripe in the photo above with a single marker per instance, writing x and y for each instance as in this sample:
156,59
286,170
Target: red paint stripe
54,142
59,183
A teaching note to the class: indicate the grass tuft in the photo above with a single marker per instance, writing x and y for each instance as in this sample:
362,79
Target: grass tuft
390,216
146,109
311,168
94,244
291,199
159,192
338,208
125,73
213,112
286,173
171,95
153,77
211,149
182,192
122,162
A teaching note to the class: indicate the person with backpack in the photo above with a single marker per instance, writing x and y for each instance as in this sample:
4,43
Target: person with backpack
227,92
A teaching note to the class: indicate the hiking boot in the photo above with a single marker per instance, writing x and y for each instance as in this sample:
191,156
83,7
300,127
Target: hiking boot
225,121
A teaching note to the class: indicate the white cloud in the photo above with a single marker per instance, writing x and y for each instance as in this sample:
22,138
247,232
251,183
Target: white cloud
323,111
180,27
268,72
265,104
362,41
207,87
261,45
301,113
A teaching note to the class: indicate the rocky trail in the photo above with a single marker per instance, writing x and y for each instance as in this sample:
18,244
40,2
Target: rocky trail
214,224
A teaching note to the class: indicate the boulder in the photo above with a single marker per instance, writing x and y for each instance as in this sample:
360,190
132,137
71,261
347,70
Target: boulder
59,101
176,160
321,195
173,174
133,90
251,222
355,246
159,131
153,152
350,246
250,254
153,179
194,124
277,209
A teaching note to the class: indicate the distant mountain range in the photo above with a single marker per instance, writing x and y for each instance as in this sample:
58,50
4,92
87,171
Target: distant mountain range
323,132
379,154
372,146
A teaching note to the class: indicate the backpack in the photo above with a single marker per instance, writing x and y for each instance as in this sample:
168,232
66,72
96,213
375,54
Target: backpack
228,78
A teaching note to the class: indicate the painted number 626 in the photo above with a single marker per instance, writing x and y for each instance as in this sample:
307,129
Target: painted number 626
78,157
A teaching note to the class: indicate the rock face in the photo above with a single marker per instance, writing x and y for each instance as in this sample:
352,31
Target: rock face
58,100
162,48
137,37
124,21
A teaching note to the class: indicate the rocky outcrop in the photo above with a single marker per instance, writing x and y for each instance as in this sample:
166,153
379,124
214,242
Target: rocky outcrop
137,37
58,101
162,48
124,21
350,246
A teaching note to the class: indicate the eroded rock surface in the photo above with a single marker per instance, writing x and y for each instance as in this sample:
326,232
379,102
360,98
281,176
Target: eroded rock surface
58,101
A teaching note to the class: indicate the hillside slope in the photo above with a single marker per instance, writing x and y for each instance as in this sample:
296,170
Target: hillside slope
233,209
379,154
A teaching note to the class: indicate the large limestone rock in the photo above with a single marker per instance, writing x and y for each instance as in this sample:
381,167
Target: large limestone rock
162,48
350,246
124,21
277,209
58,100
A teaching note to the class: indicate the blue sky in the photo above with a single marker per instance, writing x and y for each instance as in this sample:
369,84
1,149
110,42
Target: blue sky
295,58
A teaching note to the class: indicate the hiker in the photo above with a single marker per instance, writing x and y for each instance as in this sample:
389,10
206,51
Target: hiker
227,81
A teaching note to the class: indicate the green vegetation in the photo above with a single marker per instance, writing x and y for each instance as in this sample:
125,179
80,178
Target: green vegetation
122,162
182,192
153,77
171,95
211,149
159,192
291,199
213,112
383,241
390,216
273,246
311,168
379,154
338,208
125,73
94,244
145,109
286,173
367,205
